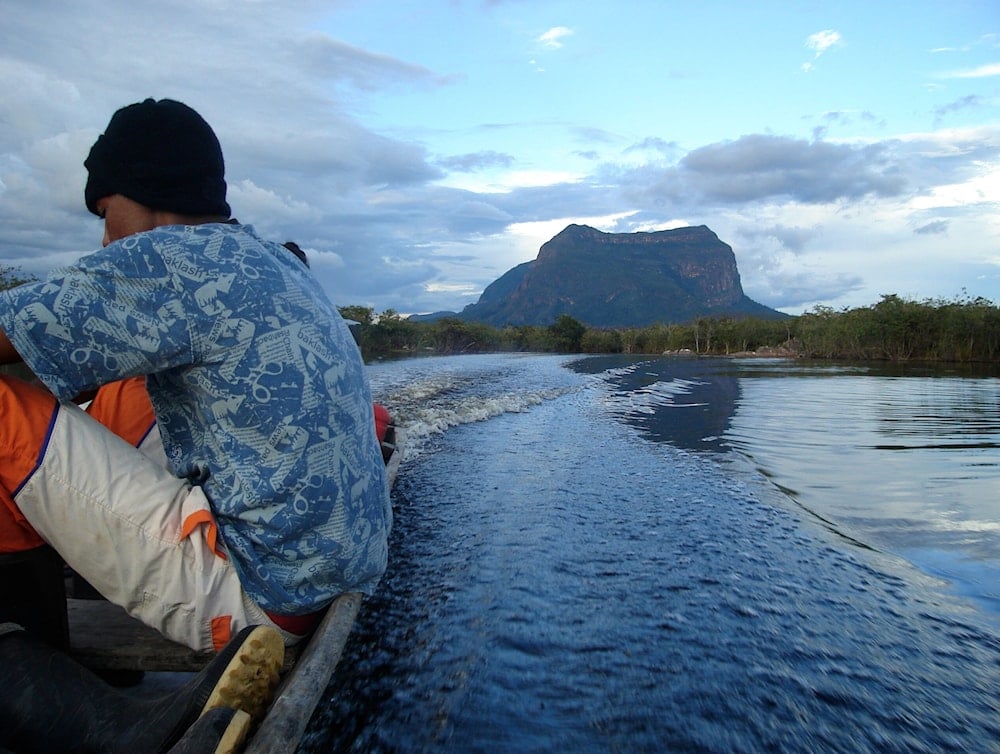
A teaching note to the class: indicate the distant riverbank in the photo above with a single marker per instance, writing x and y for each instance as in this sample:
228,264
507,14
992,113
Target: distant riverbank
895,330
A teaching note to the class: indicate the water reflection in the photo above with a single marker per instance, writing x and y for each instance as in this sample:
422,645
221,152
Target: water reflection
684,401
898,458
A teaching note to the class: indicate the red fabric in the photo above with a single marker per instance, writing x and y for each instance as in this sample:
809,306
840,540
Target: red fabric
300,625
382,420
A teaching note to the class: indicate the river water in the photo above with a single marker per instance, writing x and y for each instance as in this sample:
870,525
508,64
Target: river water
695,555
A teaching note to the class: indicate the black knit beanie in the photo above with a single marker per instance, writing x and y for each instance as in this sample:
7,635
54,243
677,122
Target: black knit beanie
160,154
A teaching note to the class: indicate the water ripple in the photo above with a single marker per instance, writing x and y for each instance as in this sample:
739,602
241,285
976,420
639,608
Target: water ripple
559,583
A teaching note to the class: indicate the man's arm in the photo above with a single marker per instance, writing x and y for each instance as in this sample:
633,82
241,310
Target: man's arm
8,354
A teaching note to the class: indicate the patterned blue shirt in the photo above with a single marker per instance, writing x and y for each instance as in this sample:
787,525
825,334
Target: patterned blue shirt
258,387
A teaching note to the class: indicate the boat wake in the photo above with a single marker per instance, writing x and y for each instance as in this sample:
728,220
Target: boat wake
425,406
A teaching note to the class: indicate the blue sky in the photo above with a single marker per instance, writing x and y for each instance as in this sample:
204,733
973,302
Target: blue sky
419,150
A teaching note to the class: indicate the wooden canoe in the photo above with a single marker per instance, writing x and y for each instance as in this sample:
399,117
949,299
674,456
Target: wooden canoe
106,639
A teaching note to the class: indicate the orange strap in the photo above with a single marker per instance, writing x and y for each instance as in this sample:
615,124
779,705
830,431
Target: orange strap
28,413
222,631
197,519
222,625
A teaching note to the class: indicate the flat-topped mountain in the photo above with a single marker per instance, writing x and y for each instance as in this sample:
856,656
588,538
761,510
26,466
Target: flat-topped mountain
620,280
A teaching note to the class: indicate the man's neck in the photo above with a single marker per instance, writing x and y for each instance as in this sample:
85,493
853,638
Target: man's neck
162,217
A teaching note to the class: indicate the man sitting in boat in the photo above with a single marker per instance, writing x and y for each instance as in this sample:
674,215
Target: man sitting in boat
271,498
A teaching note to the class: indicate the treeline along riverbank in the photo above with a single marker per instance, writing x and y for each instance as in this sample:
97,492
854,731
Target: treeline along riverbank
964,330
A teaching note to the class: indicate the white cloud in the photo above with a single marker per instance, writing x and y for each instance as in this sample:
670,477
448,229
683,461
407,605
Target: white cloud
507,181
819,43
554,36
981,189
981,72
529,178
450,288
537,233
822,41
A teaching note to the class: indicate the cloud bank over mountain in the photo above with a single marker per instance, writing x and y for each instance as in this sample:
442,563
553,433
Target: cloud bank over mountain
418,156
